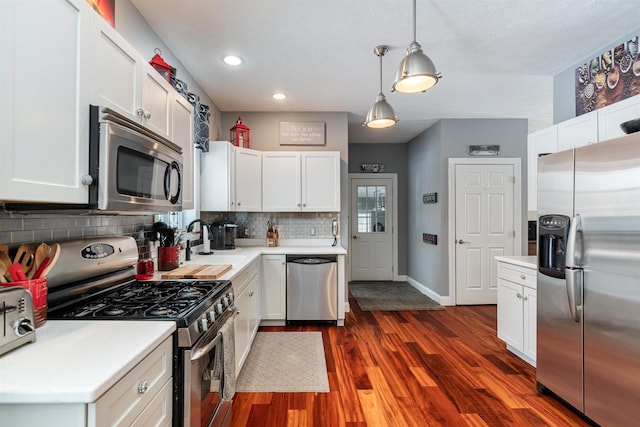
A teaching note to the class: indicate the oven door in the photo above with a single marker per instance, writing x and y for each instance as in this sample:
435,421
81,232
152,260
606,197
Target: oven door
204,380
137,170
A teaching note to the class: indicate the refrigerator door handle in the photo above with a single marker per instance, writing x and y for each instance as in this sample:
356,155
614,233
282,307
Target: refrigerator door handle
575,227
574,277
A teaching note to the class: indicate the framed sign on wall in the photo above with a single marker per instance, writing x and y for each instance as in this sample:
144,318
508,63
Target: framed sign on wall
302,133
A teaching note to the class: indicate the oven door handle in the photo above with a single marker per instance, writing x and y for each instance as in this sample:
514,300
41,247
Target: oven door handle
205,349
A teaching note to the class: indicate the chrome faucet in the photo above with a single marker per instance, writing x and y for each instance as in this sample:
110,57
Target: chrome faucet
203,225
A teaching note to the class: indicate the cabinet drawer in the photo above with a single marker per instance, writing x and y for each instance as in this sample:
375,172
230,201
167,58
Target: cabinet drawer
517,274
122,404
242,279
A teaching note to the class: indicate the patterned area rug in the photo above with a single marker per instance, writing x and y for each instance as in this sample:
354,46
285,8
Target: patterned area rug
390,296
285,362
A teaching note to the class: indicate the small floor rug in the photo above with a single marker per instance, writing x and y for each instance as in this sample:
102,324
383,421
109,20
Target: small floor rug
285,362
390,296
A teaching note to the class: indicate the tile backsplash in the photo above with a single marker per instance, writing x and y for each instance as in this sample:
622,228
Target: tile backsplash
290,225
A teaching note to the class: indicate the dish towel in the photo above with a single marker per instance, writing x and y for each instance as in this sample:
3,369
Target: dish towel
228,359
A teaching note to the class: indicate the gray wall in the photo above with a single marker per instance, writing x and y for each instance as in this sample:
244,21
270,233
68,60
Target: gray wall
394,158
564,93
428,156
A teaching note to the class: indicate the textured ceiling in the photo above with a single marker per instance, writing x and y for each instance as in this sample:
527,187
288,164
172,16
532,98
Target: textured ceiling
497,57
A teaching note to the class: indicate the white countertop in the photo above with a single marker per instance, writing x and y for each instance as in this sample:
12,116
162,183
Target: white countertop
523,261
76,361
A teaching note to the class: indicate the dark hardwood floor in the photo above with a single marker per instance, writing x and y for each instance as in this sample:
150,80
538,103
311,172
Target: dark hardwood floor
412,368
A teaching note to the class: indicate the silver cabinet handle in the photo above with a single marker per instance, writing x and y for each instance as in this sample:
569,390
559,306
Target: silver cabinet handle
147,115
143,386
524,297
238,203
355,237
519,295
522,276
140,112
251,293
462,242
86,179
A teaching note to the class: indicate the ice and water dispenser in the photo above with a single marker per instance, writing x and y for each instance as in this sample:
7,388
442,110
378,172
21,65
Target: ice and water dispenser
553,231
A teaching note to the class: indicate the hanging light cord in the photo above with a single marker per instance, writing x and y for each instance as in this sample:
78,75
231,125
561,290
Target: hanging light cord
414,21
380,56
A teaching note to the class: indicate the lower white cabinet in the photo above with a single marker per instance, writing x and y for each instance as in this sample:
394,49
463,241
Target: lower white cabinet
246,287
274,287
517,305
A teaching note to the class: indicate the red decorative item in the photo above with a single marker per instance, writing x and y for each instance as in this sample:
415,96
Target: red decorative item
239,134
161,66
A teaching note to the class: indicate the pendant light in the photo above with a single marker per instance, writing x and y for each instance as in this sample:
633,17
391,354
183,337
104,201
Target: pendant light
416,72
381,115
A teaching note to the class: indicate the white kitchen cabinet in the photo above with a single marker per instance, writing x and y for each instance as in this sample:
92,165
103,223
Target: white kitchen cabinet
540,142
246,287
182,134
517,298
248,180
610,117
274,288
122,79
143,394
579,131
44,98
230,178
307,181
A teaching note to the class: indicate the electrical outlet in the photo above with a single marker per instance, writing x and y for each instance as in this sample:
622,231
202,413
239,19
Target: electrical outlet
431,239
313,231
430,198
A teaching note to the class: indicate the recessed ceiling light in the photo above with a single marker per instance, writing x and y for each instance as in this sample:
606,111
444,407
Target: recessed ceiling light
279,96
232,60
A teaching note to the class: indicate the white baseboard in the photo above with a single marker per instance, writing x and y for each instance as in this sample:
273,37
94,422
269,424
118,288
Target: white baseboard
400,278
442,300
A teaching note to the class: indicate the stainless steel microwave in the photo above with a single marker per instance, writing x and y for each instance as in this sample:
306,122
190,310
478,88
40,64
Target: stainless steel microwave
135,168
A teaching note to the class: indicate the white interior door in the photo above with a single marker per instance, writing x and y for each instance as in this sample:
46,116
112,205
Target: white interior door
372,229
484,228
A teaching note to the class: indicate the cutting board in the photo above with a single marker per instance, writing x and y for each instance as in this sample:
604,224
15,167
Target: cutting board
197,271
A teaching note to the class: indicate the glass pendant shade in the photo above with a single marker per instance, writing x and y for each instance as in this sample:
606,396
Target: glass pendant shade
381,115
416,72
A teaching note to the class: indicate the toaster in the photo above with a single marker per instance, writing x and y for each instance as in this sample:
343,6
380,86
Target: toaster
16,318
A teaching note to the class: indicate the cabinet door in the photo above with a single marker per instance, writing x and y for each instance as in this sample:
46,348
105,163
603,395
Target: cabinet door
578,131
156,101
241,329
217,186
610,117
320,181
44,99
281,181
540,142
530,297
115,71
182,134
274,287
510,314
248,175
254,307
159,411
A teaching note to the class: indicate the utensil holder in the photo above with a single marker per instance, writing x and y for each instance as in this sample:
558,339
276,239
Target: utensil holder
38,289
272,239
168,258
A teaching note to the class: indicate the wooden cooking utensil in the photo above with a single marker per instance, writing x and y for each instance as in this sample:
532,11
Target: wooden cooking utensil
3,270
55,253
43,251
7,262
25,257
4,249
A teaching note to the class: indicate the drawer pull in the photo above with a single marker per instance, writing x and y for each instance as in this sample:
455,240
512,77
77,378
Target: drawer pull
522,276
251,293
143,386
519,295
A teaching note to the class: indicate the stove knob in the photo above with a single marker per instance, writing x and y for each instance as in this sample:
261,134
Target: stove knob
230,295
211,316
203,325
219,308
225,301
23,327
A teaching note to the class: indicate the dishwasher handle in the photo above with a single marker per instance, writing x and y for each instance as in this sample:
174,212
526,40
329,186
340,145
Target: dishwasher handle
311,259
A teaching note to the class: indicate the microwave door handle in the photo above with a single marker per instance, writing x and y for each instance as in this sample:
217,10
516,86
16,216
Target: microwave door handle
173,198
573,272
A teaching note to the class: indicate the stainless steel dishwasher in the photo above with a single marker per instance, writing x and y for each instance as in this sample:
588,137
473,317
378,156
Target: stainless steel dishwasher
312,287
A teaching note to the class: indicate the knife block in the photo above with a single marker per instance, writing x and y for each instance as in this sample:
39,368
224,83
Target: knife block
272,239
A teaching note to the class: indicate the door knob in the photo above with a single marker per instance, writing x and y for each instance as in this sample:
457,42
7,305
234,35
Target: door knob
462,242
355,237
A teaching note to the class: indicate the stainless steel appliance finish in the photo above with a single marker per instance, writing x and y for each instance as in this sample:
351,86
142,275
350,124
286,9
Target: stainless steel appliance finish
137,170
17,326
588,323
200,309
312,287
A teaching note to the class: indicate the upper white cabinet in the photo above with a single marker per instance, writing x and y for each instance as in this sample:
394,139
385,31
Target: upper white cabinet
122,79
307,181
182,134
230,178
44,98
579,131
610,117
540,142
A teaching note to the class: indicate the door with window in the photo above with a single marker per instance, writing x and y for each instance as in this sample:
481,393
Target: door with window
372,231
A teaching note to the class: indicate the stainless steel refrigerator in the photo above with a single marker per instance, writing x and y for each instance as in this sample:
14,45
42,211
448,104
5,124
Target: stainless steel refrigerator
589,279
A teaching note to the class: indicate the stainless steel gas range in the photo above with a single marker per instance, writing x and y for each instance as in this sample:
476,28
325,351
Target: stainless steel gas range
94,279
